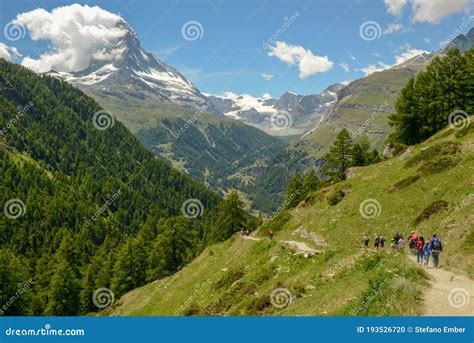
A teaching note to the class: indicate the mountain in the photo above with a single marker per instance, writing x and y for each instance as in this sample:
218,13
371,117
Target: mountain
173,119
289,115
364,105
85,203
316,263
133,72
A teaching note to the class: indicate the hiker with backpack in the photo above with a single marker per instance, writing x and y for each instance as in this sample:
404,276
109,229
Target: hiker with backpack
366,240
382,242
420,244
436,246
377,241
412,240
426,253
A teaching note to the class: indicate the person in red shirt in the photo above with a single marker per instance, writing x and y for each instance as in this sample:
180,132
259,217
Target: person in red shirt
270,234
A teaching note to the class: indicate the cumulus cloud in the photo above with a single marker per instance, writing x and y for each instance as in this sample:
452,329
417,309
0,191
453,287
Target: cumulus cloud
308,64
391,28
345,66
430,11
267,77
8,52
395,7
407,52
78,34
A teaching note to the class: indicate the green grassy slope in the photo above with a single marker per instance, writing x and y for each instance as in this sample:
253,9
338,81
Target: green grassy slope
238,276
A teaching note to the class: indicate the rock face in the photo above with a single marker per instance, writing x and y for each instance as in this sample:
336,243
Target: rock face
291,114
136,73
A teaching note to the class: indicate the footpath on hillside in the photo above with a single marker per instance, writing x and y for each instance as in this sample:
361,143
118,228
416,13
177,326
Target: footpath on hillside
450,294
300,248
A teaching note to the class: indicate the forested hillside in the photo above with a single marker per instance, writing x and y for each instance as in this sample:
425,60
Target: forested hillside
86,206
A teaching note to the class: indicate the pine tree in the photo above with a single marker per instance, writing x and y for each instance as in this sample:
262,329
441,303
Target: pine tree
231,217
339,158
64,292
294,191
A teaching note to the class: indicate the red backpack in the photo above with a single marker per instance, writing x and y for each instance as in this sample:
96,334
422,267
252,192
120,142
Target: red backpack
419,245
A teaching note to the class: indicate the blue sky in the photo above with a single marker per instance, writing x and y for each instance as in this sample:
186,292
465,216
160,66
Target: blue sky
322,39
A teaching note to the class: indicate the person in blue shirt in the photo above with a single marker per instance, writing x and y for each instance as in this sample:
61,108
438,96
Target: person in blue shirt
426,253
436,247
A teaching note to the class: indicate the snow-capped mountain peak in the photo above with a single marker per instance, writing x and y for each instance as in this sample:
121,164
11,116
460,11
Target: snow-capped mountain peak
131,68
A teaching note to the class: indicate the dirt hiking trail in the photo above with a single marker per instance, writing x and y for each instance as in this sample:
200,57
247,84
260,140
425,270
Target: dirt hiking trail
450,294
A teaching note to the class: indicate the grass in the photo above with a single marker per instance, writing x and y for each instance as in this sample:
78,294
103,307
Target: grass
344,279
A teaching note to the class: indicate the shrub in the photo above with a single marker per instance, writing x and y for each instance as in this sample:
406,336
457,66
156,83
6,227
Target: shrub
405,182
432,209
438,165
434,151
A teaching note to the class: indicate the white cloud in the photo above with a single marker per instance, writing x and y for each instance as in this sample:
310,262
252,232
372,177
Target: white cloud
307,63
345,66
395,7
392,28
8,52
372,68
432,11
78,34
267,77
427,40
407,53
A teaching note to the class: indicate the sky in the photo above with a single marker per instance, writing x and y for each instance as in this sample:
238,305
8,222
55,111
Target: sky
252,47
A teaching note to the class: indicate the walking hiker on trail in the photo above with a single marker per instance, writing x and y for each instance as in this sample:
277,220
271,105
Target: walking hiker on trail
401,243
419,250
436,246
270,234
412,242
393,244
366,240
381,242
377,241
426,253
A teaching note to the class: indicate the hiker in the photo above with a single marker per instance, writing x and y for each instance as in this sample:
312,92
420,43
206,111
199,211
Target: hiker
381,242
270,234
247,232
419,250
436,247
393,244
377,241
426,253
401,243
242,231
412,242
366,240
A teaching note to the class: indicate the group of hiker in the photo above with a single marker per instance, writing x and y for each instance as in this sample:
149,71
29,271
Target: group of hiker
417,245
